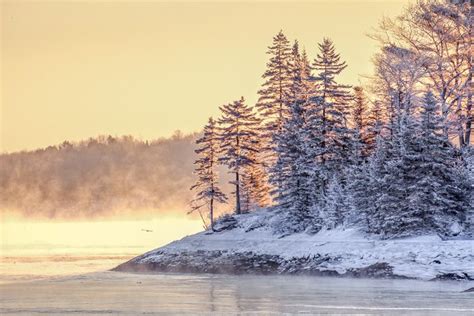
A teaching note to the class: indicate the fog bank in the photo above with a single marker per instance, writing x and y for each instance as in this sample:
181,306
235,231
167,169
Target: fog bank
99,177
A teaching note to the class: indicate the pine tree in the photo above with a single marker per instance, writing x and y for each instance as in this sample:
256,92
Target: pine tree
365,189
331,138
207,186
440,193
272,103
358,175
300,88
394,214
359,109
306,70
295,75
360,121
292,172
421,188
374,126
238,127
468,154
337,204
328,66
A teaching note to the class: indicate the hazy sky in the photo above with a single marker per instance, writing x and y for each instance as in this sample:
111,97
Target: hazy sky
70,70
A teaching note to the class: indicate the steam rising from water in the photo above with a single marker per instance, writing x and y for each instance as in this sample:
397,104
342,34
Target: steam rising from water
35,250
100,178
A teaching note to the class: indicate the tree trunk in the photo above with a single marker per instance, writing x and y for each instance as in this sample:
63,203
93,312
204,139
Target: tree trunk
467,137
237,193
459,124
469,116
211,215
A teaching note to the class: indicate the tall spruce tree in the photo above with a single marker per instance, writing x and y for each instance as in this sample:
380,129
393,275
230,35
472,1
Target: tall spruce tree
374,126
421,188
468,154
440,193
394,214
328,115
337,205
238,131
291,174
359,109
272,103
359,115
207,188
358,178
365,188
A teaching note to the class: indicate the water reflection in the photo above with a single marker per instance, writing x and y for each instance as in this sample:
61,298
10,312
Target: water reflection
129,294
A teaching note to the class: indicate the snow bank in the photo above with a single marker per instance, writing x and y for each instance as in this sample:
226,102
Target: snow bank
251,244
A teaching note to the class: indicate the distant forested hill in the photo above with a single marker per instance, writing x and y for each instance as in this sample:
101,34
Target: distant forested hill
95,177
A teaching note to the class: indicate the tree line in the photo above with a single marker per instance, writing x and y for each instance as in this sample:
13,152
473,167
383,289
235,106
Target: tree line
99,177
395,158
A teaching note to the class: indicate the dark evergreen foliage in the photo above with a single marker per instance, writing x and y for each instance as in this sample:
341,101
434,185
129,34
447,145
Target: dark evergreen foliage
333,158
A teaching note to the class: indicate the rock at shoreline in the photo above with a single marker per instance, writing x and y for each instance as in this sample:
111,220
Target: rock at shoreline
247,263
245,244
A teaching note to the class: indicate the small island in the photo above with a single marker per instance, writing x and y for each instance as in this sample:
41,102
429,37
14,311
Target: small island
333,180
245,244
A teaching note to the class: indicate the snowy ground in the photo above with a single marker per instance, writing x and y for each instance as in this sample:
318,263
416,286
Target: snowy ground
348,252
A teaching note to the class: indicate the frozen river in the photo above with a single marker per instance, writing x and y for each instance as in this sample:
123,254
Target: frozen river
118,293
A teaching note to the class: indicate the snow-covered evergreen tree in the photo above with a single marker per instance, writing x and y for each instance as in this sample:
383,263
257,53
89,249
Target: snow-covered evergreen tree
359,120
207,188
359,109
275,90
440,193
328,116
292,173
337,205
366,168
300,87
421,188
238,131
374,126
330,160
365,185
468,154
272,105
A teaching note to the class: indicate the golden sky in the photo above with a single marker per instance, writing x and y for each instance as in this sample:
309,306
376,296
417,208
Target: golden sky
75,69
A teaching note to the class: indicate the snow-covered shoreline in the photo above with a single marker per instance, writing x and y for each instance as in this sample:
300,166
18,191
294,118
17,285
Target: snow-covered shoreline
246,246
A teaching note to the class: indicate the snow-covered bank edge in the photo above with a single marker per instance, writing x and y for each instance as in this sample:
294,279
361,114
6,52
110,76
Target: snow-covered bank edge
245,245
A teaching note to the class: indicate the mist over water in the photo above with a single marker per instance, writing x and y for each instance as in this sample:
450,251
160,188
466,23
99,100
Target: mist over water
88,206
38,250
99,178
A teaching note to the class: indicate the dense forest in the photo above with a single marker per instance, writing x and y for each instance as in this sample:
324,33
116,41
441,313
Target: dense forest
394,157
98,177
